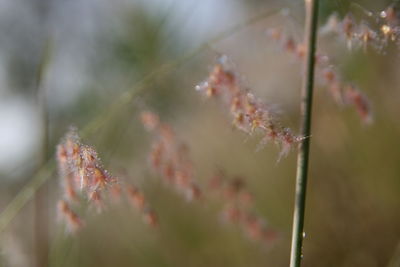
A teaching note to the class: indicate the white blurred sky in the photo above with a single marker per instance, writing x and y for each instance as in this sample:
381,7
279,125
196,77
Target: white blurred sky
19,132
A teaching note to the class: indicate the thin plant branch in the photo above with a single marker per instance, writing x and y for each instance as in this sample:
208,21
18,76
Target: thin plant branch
304,146
41,197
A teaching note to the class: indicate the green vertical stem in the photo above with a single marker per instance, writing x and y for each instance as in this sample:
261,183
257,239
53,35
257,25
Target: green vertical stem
41,225
304,146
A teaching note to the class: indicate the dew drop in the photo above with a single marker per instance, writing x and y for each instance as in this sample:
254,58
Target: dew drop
304,234
383,14
202,86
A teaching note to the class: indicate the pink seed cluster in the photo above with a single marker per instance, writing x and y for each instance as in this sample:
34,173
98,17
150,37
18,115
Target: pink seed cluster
139,202
81,169
343,94
385,29
238,207
169,157
73,221
85,179
250,114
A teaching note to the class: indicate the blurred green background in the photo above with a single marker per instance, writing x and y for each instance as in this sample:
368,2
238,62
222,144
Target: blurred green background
101,49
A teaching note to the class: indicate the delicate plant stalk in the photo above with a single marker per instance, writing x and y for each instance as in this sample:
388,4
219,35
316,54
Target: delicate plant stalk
304,146
41,198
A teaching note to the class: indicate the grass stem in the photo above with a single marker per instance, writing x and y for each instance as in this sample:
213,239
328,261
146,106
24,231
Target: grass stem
41,214
304,146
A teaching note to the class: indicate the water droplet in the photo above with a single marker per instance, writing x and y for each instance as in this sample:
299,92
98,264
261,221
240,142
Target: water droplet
202,86
302,256
304,234
383,14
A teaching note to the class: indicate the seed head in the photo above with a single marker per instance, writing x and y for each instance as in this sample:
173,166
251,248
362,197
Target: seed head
149,120
360,102
72,220
249,113
136,198
150,218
